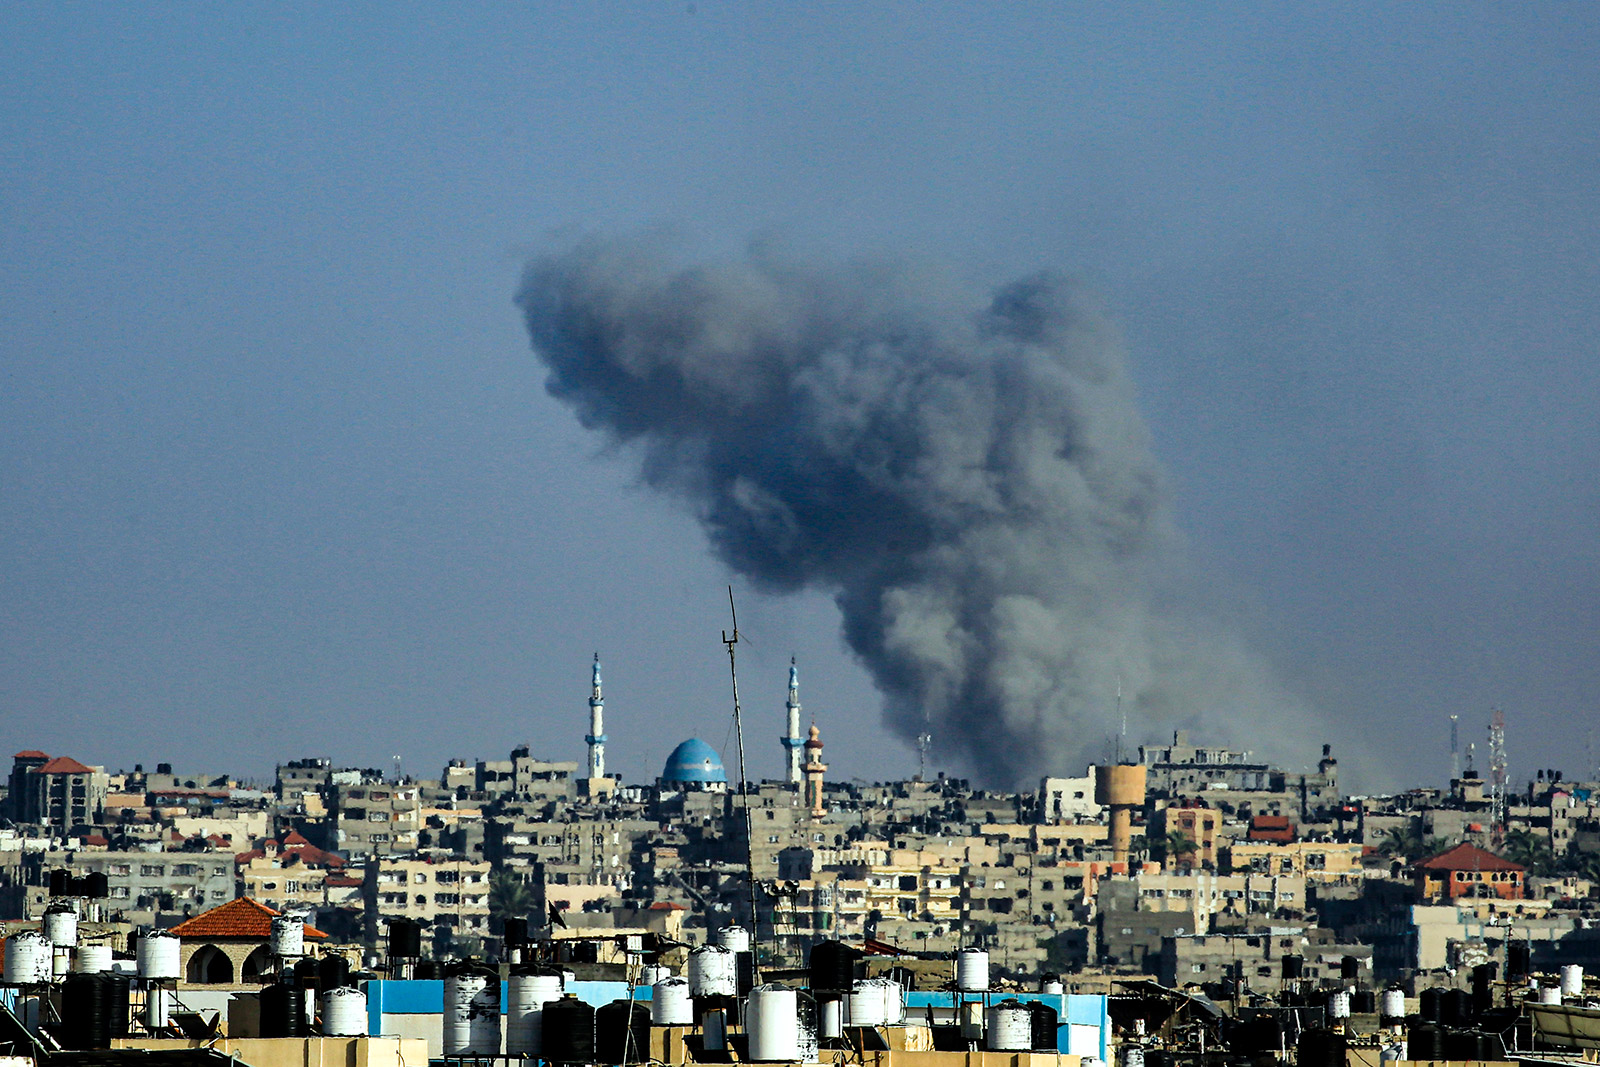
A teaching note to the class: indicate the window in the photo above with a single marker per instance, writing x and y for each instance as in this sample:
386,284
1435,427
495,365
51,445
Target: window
119,892
445,898
149,870
379,839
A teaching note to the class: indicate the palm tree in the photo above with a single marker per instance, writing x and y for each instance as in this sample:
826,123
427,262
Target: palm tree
509,898
1531,851
1410,843
1179,848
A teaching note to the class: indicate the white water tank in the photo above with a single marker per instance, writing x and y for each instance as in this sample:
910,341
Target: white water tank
1339,1005
288,937
772,1024
1052,987
1133,1056
1010,1026
972,970
471,1014
830,1019
863,1005
649,976
92,959
526,996
713,972
734,938
1393,1005
344,1013
157,956
670,1003
971,1020
61,927
27,958
157,1008
1572,979
1550,994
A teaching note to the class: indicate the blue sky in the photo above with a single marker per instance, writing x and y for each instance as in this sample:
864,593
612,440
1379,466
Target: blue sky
278,475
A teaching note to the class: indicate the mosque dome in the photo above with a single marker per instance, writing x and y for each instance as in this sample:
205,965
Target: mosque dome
694,761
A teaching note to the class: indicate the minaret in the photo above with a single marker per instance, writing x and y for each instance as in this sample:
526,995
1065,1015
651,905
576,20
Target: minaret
597,730
814,768
791,742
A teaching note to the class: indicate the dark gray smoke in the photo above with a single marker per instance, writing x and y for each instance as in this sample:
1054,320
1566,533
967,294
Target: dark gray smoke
967,475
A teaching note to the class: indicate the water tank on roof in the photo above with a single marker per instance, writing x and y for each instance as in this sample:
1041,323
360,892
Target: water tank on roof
157,956
61,926
772,1024
712,973
670,1003
471,1010
622,1032
27,958
92,958
528,992
288,937
1010,1027
344,1012
569,1031
972,970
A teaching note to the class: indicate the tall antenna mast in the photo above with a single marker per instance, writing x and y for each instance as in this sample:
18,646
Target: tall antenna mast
1498,778
1455,748
749,828
1123,715
924,739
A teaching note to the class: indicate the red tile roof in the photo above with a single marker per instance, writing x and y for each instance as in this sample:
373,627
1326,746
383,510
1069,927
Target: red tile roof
31,753
63,765
241,919
1468,857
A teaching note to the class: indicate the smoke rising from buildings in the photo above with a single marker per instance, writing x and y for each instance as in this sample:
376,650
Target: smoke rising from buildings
967,474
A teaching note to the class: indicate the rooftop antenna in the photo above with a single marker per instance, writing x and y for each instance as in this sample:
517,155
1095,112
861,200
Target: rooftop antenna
749,829
1498,778
1455,748
924,739
1123,715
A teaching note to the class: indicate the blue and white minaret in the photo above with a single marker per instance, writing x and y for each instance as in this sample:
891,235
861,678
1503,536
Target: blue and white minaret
794,745
597,728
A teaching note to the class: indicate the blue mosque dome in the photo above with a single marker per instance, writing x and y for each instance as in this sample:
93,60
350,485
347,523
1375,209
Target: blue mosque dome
694,761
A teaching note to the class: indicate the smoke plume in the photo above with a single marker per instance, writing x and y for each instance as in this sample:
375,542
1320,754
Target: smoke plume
967,474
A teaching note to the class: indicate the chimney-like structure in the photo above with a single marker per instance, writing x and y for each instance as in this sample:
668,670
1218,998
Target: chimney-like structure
793,746
1120,788
814,770
596,737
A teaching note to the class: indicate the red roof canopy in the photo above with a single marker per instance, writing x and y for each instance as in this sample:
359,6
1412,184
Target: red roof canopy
1468,857
63,765
239,919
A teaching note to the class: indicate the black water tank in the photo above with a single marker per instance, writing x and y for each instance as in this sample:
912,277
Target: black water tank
1363,1002
1293,966
833,966
1349,968
1321,1048
60,879
568,1031
428,971
1424,1041
305,972
516,933
1430,1004
1044,1019
283,1012
1456,1008
1519,957
405,940
1483,987
94,1009
332,973
95,884
1464,1045
612,1032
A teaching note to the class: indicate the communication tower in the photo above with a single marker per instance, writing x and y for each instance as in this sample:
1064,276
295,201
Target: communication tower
1497,772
